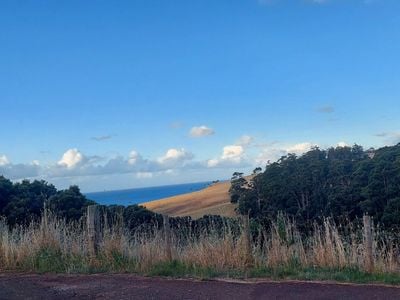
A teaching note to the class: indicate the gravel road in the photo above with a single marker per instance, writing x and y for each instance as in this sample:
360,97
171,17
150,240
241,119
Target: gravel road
122,286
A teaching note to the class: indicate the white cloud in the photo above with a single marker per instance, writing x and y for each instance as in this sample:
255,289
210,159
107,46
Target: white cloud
301,148
71,158
274,151
4,160
342,144
269,154
232,152
211,163
144,175
231,155
175,156
134,157
19,171
75,164
245,140
200,131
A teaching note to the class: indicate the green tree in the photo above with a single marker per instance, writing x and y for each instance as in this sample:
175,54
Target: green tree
69,203
27,201
6,190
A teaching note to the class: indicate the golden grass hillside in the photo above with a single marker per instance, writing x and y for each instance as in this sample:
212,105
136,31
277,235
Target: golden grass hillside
213,200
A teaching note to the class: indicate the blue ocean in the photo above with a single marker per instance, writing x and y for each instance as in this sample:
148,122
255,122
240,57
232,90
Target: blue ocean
140,195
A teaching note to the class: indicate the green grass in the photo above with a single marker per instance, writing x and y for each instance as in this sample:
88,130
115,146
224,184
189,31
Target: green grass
177,269
349,275
326,274
49,260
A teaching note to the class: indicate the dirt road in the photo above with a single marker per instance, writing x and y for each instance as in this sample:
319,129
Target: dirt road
16,286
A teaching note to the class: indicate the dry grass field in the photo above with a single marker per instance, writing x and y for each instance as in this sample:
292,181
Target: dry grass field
213,200
225,250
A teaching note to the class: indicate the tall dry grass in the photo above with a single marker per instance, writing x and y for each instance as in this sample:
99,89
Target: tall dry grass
55,245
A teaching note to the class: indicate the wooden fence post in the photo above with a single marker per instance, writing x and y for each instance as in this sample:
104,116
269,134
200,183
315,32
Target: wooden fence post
45,218
247,240
368,244
167,238
93,227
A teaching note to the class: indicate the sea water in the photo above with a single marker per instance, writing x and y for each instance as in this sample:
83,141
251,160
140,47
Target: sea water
140,195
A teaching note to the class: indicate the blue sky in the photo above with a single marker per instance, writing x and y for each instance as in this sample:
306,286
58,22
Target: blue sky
119,94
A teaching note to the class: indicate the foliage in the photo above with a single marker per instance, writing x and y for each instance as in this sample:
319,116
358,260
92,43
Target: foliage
342,182
23,201
69,203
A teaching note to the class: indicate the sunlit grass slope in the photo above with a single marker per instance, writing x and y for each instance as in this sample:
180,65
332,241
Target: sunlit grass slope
213,200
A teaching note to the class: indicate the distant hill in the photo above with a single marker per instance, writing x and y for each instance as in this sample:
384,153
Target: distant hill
213,200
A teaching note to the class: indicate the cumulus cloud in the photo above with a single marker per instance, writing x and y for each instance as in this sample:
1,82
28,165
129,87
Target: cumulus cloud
245,140
4,160
75,164
211,163
269,154
231,155
134,157
342,144
71,158
200,131
19,171
232,152
234,155
301,148
175,156
274,151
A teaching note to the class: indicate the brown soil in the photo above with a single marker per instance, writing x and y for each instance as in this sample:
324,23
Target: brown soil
213,200
122,286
